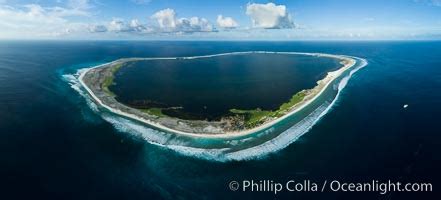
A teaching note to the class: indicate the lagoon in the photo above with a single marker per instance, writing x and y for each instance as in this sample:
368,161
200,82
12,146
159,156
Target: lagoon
207,88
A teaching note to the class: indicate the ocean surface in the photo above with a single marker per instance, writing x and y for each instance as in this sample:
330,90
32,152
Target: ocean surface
54,144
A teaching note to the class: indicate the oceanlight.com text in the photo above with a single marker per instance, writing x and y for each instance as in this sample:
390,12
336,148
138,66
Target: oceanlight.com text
381,187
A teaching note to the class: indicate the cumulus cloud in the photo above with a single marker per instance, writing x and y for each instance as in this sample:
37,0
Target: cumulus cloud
119,25
73,17
97,28
269,16
136,26
166,18
194,24
169,22
226,22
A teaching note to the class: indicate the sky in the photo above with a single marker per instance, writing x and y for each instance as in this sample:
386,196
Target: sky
221,19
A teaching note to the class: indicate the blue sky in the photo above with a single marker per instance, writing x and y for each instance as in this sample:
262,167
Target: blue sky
221,19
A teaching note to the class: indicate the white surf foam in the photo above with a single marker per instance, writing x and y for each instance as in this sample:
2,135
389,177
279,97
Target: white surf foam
276,144
72,80
169,141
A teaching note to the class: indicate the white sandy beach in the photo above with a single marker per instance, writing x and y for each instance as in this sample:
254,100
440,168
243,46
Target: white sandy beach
321,86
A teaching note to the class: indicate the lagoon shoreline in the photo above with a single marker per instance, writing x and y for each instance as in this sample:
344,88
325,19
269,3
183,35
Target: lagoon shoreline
202,129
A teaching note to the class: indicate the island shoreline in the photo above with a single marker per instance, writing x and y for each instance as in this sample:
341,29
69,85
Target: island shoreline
330,77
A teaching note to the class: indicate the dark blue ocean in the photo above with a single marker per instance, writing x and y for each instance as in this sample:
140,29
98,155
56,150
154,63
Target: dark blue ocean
54,146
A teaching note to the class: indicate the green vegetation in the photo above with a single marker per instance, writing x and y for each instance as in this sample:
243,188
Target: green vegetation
257,116
252,117
154,111
108,81
295,99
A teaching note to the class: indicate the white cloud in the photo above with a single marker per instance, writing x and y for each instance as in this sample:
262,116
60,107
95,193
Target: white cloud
269,16
137,26
97,28
194,24
226,22
33,20
120,25
168,22
166,18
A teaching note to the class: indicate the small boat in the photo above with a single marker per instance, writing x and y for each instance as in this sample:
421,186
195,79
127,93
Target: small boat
405,106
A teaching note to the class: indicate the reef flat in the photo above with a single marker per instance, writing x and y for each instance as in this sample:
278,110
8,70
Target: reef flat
97,81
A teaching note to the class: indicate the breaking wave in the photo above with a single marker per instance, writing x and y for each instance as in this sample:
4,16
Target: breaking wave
223,151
